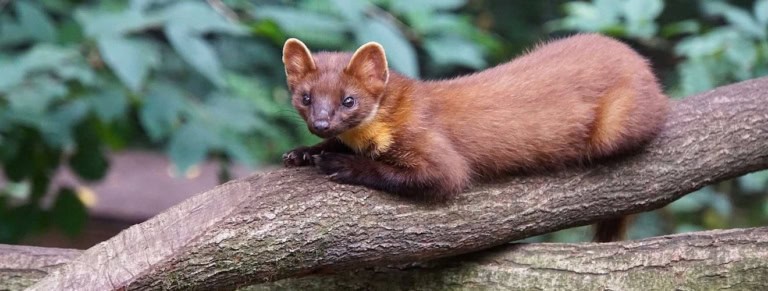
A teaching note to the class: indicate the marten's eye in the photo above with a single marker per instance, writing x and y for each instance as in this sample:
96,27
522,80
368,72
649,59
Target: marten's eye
306,100
348,102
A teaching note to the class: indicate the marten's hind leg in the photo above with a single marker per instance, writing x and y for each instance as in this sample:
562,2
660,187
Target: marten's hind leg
609,132
625,119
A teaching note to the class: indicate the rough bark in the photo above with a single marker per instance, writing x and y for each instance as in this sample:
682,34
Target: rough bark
22,266
712,260
295,222
725,259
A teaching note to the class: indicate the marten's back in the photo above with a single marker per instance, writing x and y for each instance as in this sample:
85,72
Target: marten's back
582,97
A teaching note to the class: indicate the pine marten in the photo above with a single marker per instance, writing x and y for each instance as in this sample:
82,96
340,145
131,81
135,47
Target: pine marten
570,100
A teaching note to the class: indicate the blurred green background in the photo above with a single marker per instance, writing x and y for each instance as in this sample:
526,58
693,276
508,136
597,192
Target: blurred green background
203,80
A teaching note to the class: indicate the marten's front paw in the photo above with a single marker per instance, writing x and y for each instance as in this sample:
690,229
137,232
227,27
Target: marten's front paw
298,157
339,167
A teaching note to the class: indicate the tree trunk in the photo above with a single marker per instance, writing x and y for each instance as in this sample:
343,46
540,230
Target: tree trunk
724,259
294,222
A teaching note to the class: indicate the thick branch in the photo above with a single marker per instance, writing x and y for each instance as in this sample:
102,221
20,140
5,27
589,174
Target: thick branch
725,259
712,260
22,266
295,222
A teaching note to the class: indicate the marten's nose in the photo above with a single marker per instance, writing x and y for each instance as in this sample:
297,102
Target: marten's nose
321,125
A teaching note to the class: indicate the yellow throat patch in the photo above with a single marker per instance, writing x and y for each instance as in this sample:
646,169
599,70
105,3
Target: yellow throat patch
374,137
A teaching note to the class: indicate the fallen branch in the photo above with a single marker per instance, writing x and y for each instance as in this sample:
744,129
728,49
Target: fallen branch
294,222
723,259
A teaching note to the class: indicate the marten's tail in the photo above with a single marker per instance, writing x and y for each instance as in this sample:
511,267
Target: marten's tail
612,229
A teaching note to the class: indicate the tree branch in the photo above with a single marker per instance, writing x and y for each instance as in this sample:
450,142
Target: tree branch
294,222
22,266
711,260
723,259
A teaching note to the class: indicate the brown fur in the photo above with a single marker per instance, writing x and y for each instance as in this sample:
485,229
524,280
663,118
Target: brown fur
570,100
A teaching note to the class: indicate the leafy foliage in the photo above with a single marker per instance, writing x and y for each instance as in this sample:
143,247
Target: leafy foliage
79,79
713,54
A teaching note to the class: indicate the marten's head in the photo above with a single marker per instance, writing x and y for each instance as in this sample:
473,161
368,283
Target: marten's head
335,92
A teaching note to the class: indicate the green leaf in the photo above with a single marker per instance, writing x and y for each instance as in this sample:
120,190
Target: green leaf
195,51
640,15
352,10
46,56
42,57
21,220
694,201
455,51
244,55
200,18
141,5
161,110
705,45
89,161
189,145
695,77
761,12
36,23
742,20
679,28
642,10
736,17
11,32
234,147
311,27
590,17
57,127
426,5
754,182
68,212
440,23
721,204
400,54
258,94
108,104
10,76
743,53
102,23
294,20
18,190
609,8
765,208
234,114
77,72
37,94
70,32
16,167
130,58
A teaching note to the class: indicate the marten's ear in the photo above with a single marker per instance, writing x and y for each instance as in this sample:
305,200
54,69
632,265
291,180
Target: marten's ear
298,61
369,64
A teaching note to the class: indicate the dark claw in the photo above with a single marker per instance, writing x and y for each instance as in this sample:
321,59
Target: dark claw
297,158
316,159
